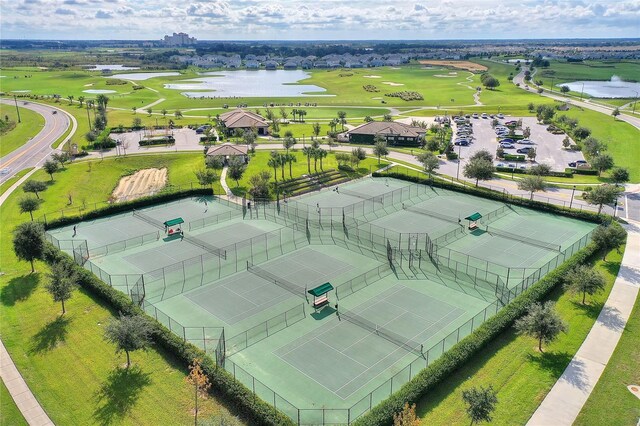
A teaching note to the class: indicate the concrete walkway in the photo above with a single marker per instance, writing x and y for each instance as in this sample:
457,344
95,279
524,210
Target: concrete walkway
20,392
567,397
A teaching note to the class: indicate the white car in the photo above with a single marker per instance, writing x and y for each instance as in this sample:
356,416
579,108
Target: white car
507,146
475,115
500,116
526,142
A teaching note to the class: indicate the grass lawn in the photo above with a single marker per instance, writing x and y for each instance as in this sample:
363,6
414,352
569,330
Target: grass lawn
7,184
9,413
31,123
563,71
71,369
520,374
259,161
611,402
622,139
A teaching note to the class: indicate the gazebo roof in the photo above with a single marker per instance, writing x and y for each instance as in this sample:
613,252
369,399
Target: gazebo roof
228,149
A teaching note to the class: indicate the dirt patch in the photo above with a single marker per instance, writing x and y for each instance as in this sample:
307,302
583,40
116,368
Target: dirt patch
444,76
371,76
391,83
141,183
463,65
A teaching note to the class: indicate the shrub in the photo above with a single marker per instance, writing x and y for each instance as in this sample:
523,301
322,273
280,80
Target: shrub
160,140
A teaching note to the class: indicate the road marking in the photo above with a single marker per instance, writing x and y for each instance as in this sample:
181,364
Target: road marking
34,145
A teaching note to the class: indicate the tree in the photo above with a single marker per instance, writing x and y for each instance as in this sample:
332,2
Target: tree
581,133
609,237
430,162
308,152
81,100
259,185
60,157
480,402
407,417
34,186
236,169
28,242
62,282
136,123
284,114
288,143
593,146
249,137
531,184
200,382
433,145
479,169
177,114
301,114
586,280
602,163
342,158
149,111
342,118
615,113
620,175
526,133
601,195
482,154
274,162
129,334
50,167
387,117
134,109
206,177
531,154
102,101
70,97
564,89
540,170
531,106
380,147
316,129
214,161
29,205
290,159
541,322
368,119
566,142
491,83
359,153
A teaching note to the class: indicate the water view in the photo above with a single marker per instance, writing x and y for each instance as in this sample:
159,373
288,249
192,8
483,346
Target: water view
254,84
110,68
614,88
139,76
98,91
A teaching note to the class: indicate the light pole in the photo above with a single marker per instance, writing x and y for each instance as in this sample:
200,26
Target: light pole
573,191
582,91
459,160
15,99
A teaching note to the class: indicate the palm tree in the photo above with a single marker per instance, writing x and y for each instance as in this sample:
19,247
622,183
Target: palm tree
333,124
134,109
316,129
322,153
102,101
316,155
342,115
149,111
274,162
164,113
291,158
301,114
294,112
282,159
81,100
70,99
308,151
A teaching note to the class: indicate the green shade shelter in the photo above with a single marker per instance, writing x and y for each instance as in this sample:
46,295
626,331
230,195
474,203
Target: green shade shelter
173,222
473,220
320,299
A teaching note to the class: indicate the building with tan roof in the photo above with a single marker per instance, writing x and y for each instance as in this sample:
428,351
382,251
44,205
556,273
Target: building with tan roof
394,133
244,120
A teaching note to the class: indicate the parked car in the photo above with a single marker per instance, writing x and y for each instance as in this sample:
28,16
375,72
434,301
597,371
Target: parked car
507,145
501,165
461,143
500,116
526,142
484,115
524,150
475,115
511,123
507,140
577,163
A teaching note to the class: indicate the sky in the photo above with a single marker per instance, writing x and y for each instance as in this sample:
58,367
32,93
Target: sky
319,19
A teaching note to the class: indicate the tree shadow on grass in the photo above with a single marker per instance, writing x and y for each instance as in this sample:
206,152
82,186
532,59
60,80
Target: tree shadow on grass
592,310
19,289
50,335
119,393
558,364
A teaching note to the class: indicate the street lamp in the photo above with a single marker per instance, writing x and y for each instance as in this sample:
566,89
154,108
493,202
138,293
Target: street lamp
459,160
15,99
573,191
582,91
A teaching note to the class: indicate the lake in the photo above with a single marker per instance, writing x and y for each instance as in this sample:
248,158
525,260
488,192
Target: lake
139,76
110,67
246,83
615,88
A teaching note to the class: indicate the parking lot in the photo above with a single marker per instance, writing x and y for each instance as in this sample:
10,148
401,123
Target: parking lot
548,146
186,139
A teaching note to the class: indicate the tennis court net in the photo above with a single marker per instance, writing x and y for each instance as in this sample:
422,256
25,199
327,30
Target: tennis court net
149,220
206,246
430,213
281,282
525,240
375,199
406,344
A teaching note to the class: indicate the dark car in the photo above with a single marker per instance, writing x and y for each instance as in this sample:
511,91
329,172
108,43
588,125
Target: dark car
461,143
577,163
524,150
507,140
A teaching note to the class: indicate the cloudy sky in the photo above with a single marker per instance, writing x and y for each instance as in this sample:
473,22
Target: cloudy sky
320,19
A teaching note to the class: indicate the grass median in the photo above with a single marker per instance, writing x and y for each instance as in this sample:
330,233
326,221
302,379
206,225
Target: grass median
17,134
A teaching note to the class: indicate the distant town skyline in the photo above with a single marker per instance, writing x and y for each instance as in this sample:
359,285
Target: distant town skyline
322,20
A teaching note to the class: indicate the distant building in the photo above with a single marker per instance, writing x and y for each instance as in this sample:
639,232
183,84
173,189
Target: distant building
394,133
227,151
240,119
179,39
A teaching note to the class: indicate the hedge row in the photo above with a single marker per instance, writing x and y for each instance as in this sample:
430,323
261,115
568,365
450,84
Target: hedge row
589,172
513,157
462,352
127,206
499,196
157,141
524,171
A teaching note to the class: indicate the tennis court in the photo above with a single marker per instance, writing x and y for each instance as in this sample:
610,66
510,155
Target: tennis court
334,300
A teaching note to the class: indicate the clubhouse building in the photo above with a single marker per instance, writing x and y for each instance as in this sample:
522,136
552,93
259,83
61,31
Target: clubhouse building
240,119
394,133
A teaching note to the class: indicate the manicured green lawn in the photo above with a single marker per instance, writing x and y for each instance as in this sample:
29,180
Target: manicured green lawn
611,402
71,369
520,374
7,184
563,71
622,139
9,413
31,123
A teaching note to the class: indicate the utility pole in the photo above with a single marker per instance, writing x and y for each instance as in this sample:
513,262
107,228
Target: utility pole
89,117
15,99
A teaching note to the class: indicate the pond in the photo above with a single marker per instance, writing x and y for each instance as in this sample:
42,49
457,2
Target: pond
98,91
139,76
246,83
614,88
109,67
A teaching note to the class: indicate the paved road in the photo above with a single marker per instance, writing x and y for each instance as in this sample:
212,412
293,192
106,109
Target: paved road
38,148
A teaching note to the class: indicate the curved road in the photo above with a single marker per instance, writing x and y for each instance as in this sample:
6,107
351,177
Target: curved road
32,153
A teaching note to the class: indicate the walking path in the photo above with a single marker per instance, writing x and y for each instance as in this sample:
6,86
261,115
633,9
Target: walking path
20,392
567,397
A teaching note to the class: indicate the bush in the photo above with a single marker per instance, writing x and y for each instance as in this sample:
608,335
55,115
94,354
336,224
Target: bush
588,172
160,140
451,155
406,95
566,174
513,157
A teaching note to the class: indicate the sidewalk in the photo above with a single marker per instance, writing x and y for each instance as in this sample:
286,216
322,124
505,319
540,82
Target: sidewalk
567,397
20,392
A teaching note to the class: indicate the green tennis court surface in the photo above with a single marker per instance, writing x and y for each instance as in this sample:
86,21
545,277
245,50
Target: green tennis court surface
410,276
